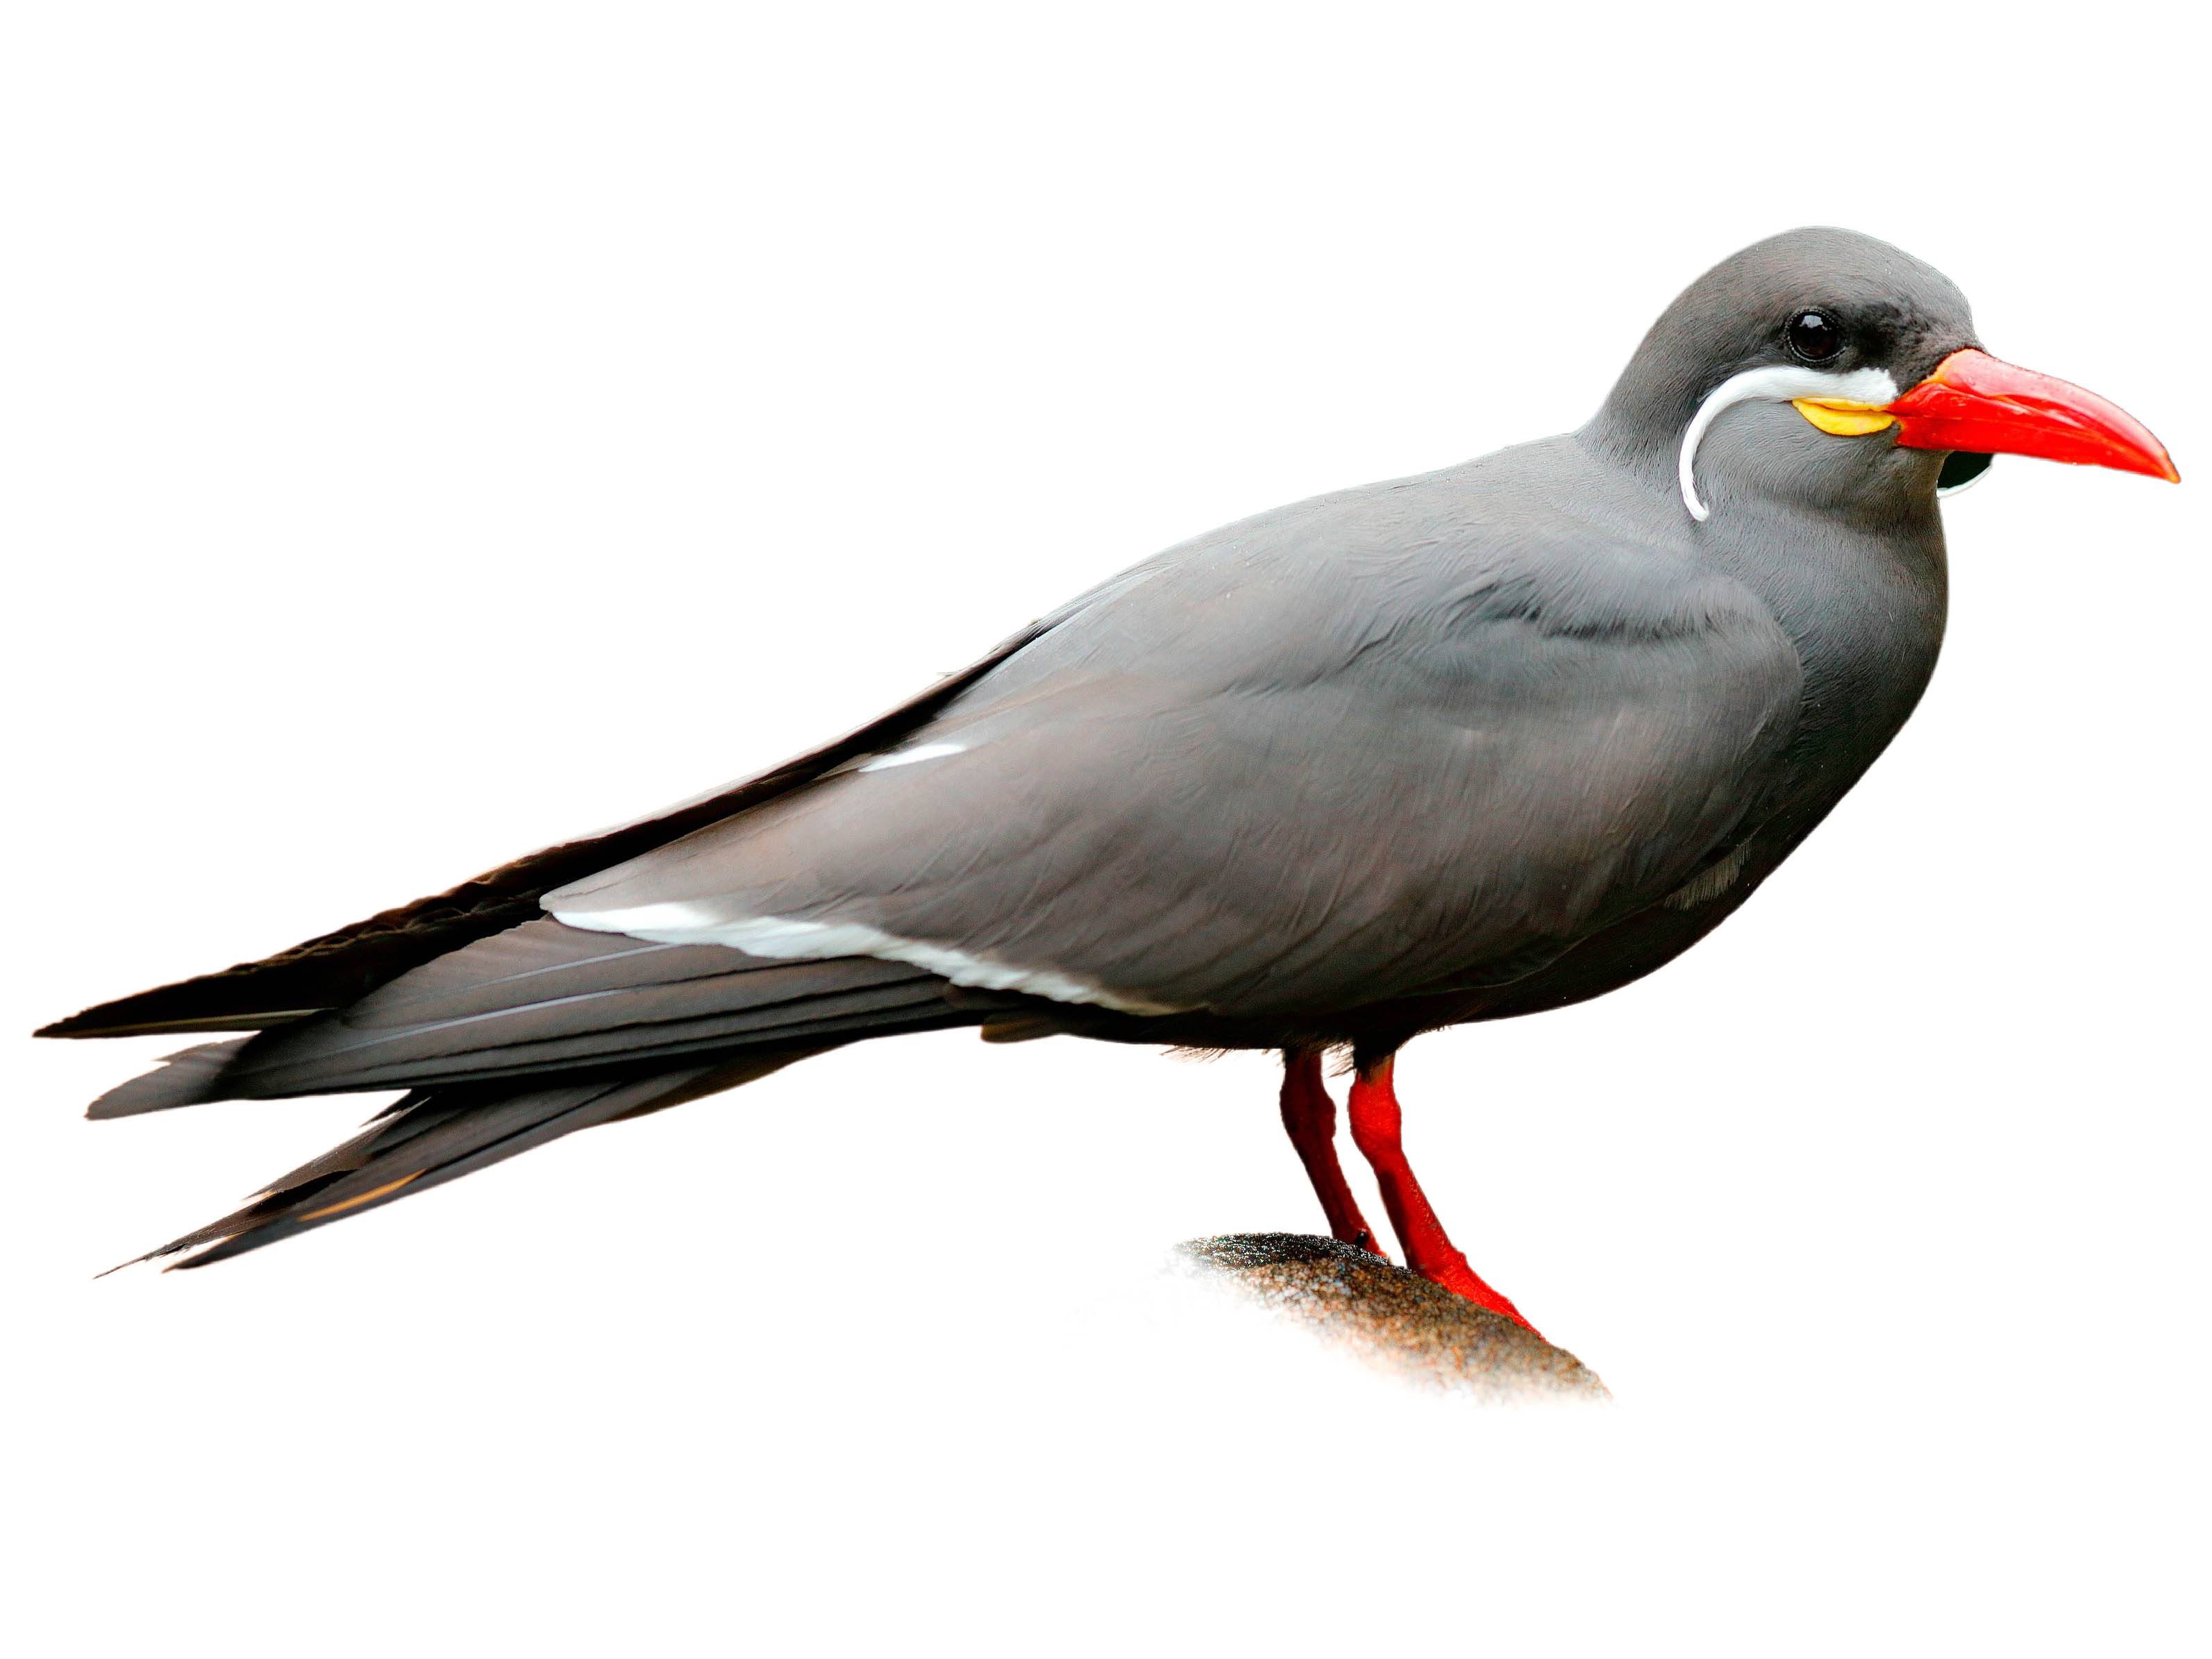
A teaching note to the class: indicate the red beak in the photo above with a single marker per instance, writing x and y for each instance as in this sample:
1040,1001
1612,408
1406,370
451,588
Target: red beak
1974,401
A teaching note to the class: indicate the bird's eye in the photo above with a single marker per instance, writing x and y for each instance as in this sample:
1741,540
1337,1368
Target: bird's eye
1815,335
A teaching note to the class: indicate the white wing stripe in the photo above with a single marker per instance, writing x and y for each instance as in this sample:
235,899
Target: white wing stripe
908,756
787,938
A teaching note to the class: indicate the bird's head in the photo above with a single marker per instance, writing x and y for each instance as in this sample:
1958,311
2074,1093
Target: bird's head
1829,371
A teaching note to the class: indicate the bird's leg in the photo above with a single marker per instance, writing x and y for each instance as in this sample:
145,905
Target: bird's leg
1311,1116
1376,1122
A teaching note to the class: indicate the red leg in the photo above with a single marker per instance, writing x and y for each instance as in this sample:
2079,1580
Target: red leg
1311,1116
1376,1125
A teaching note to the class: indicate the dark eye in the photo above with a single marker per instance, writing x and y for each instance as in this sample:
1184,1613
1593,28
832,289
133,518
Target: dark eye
1814,336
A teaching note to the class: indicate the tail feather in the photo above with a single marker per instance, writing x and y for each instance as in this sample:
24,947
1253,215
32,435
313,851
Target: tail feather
190,1077
614,1026
547,1000
520,1038
434,1136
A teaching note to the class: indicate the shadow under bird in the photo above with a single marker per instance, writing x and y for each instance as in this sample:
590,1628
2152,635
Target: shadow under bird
1458,747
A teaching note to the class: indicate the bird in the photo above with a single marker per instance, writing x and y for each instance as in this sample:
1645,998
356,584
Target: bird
1464,746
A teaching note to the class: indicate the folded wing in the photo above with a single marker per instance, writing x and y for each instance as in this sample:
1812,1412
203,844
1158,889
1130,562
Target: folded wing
1272,780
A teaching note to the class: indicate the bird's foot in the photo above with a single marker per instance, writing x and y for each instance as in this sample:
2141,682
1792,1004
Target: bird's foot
1450,1270
1376,1122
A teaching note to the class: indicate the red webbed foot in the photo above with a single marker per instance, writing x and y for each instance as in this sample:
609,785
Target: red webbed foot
1377,1124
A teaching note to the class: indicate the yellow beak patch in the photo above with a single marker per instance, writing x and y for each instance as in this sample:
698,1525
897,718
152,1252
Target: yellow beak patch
1843,417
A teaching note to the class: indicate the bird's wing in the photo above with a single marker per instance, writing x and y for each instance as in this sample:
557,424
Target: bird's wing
333,970
1378,745
543,999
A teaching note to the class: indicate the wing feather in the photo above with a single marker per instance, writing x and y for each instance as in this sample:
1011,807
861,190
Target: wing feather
542,999
335,968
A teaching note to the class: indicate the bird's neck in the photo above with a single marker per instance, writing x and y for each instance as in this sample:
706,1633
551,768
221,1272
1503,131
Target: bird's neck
1858,581
1639,431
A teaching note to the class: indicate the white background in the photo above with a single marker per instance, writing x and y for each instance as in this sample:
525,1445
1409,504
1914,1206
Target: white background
430,431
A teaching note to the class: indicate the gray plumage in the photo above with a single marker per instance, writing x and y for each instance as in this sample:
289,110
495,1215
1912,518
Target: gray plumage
1454,747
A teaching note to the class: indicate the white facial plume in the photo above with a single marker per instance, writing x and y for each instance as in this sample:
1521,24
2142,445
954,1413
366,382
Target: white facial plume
1780,383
